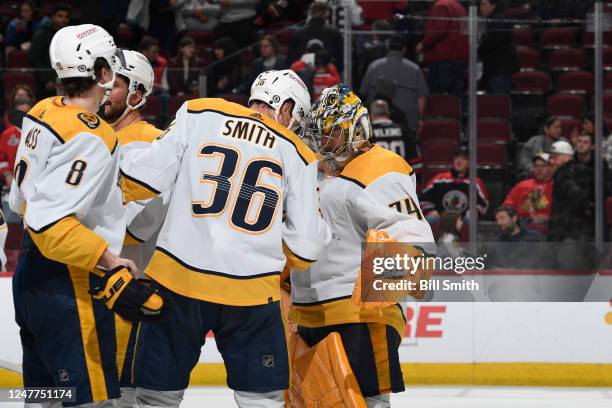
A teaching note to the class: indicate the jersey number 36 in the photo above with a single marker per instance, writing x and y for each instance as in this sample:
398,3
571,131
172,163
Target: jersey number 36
255,205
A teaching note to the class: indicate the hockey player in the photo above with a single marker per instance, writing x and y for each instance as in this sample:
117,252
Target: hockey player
367,188
233,172
133,84
65,186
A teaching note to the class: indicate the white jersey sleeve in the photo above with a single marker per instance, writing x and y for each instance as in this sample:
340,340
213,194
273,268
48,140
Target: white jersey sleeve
305,233
146,173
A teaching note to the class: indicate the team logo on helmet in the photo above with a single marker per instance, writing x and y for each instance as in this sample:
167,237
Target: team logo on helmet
89,119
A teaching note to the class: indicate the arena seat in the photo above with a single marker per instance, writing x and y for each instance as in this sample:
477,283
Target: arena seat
567,105
494,106
566,59
529,58
493,130
443,106
576,82
558,37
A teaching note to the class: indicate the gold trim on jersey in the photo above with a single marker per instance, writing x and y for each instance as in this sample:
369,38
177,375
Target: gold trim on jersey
141,131
233,109
186,280
134,189
295,261
69,242
66,121
378,337
89,333
345,311
373,164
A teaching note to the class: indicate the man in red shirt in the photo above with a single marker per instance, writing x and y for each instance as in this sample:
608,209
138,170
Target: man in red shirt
532,198
445,48
9,142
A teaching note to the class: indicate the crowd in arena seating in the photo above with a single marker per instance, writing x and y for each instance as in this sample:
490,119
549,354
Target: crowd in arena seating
535,63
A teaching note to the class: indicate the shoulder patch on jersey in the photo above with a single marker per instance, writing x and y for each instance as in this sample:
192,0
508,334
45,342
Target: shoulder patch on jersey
375,163
89,119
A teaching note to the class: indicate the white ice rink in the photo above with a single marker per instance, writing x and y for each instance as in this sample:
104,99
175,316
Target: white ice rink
450,397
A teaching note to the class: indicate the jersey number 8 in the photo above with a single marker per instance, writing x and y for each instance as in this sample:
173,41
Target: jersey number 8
255,205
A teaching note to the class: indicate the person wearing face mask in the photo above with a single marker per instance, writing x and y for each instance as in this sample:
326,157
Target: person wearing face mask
65,187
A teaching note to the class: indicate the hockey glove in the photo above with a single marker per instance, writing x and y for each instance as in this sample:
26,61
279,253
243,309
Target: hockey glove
130,299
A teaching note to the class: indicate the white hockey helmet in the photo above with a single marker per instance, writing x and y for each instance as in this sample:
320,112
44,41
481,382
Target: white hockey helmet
138,70
74,50
276,87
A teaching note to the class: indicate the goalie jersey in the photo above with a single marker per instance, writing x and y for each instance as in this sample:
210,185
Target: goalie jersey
375,190
66,186
233,173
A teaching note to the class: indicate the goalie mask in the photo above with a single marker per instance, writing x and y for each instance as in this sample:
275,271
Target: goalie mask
338,125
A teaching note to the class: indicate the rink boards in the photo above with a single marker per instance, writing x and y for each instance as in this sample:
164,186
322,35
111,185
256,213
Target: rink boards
565,344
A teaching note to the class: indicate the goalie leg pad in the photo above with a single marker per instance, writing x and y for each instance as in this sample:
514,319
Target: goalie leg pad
372,350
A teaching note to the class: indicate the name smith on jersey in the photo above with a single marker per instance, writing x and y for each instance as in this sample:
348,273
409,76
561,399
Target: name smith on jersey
249,131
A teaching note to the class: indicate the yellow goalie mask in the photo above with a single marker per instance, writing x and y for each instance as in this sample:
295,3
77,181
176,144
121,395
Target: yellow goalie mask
338,124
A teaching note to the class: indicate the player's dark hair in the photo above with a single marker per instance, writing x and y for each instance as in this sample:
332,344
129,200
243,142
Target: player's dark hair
77,86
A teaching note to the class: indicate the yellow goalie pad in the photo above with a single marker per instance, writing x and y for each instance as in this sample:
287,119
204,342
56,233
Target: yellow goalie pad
321,376
380,245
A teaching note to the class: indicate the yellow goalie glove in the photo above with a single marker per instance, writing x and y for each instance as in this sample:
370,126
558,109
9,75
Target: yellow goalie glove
367,293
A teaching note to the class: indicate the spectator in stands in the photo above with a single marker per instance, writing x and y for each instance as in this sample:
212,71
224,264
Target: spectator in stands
9,141
20,91
588,126
449,232
573,202
540,143
317,28
394,136
585,154
198,15
509,230
373,49
39,50
184,70
532,198
149,47
269,59
399,80
19,31
496,50
237,21
223,74
449,191
318,74
445,48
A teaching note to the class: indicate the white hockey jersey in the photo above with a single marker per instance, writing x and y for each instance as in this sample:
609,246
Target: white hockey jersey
66,186
233,172
376,190
144,218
